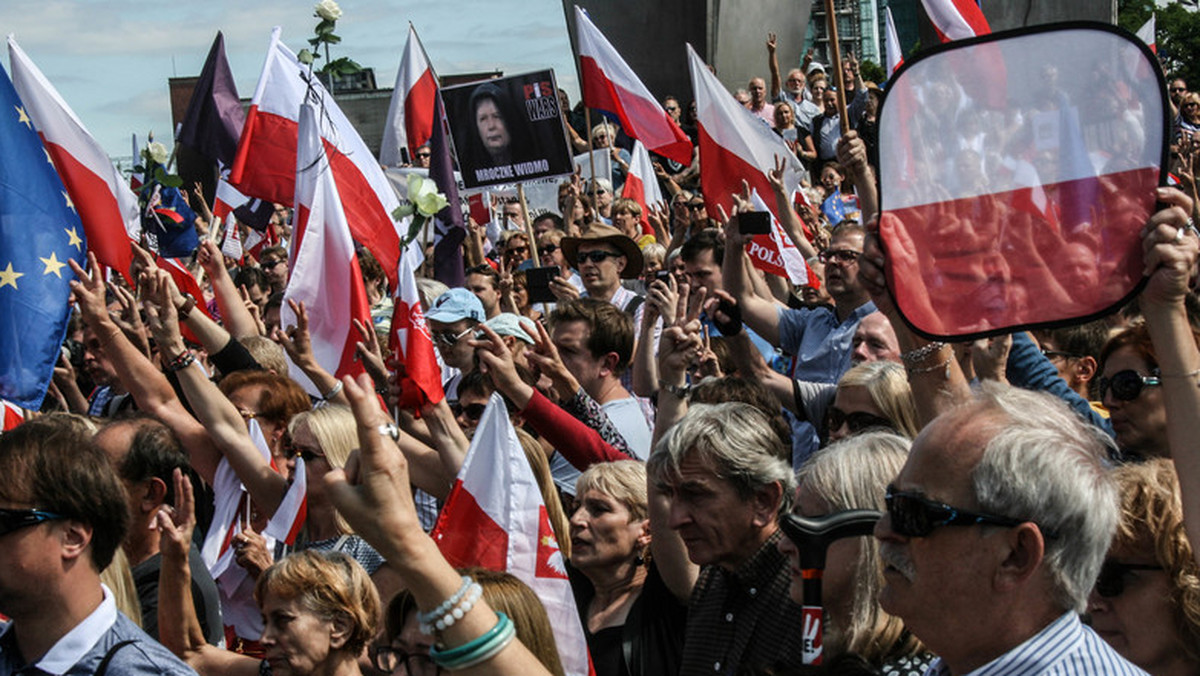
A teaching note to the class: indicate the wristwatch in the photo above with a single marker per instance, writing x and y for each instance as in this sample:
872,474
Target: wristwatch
389,430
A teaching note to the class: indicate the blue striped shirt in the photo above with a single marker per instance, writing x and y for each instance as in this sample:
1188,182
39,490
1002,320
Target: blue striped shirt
1064,648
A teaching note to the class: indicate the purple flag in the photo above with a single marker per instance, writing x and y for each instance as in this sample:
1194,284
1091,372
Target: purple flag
214,118
449,228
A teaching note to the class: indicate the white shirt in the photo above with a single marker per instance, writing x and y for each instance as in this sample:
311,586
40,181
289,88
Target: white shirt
74,644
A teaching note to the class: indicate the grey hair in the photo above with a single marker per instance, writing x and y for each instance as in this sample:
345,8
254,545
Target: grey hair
853,474
1045,465
737,439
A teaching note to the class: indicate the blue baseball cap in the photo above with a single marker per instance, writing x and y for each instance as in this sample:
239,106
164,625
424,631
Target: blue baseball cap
456,305
509,324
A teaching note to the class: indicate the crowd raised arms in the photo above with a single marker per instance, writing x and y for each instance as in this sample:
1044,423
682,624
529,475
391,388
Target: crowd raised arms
676,411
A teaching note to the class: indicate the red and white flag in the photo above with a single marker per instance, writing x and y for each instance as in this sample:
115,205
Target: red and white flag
136,179
641,185
734,146
325,273
495,518
895,55
13,415
956,19
95,187
411,342
410,114
1146,33
610,84
266,161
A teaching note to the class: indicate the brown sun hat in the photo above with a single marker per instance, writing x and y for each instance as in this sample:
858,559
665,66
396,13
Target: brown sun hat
599,232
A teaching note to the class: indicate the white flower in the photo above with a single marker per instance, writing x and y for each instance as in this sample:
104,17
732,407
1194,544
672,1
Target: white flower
424,194
328,10
156,152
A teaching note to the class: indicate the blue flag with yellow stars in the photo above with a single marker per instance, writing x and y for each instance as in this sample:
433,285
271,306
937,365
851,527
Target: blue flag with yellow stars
39,232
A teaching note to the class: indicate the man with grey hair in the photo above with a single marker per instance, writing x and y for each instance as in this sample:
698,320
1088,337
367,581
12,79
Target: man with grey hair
1021,480
719,480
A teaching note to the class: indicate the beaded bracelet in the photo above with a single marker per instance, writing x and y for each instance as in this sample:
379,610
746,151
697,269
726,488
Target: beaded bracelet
912,370
426,619
918,355
479,650
181,362
460,610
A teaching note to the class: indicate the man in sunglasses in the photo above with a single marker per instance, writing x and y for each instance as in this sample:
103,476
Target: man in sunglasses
62,517
995,531
604,256
452,319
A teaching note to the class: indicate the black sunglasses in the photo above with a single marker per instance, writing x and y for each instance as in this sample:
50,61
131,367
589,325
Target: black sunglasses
839,255
1127,385
595,256
1056,354
473,411
856,422
548,248
16,519
916,517
1111,581
697,206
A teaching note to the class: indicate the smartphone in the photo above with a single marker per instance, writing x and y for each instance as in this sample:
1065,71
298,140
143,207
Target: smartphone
664,276
754,222
537,283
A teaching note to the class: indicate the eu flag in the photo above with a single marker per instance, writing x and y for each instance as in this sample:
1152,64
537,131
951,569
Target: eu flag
39,232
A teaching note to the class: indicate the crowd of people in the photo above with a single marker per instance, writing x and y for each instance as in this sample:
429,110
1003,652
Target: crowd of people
200,495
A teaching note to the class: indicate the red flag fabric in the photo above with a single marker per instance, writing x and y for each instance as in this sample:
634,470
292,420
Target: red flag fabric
187,285
1025,216
734,146
266,161
95,187
495,518
610,84
325,273
956,19
13,415
641,185
411,342
410,113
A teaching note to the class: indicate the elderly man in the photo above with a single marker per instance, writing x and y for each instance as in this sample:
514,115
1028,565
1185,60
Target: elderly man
790,91
758,101
996,529
63,516
719,481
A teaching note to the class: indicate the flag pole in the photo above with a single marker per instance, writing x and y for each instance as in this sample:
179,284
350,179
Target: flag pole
838,76
587,120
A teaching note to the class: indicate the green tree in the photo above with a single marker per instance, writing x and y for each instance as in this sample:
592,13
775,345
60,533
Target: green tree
872,72
1177,34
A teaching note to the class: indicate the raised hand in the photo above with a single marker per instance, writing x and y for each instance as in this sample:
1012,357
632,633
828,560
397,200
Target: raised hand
296,340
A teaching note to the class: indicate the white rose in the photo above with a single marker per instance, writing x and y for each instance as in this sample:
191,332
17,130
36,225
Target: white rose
328,10
156,152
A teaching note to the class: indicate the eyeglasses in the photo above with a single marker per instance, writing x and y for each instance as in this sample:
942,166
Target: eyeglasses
1179,89
388,659
1058,354
916,517
473,411
844,256
1126,385
1111,581
857,421
16,519
1191,104
696,206
595,256
549,248
267,265
672,108
449,338
517,250
424,154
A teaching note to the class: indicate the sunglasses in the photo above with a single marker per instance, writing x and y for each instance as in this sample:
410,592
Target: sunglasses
424,154
596,256
517,250
549,248
16,519
916,517
449,338
473,411
1126,385
845,256
696,206
1178,89
1058,354
856,422
1111,581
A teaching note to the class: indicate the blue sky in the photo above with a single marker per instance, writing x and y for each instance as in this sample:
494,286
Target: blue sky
110,59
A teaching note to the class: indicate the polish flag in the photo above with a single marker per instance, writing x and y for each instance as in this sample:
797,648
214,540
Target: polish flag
495,518
410,114
136,179
734,146
95,187
641,185
895,55
13,415
188,286
266,161
610,84
1051,238
411,342
956,19
325,273
1146,33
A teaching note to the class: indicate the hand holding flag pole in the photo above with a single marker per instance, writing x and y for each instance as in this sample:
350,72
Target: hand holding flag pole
838,76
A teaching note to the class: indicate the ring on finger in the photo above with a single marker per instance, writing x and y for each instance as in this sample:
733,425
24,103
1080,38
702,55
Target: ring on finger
1179,232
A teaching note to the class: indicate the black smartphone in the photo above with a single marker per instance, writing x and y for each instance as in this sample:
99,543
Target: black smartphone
537,283
664,276
754,222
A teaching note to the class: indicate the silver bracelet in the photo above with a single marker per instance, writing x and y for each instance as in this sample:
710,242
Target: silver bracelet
921,353
333,392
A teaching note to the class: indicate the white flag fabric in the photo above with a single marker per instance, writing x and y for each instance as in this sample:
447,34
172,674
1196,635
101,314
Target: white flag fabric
895,55
410,114
495,518
1146,33
641,185
956,19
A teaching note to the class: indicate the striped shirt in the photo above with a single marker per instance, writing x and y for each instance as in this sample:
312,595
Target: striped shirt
1064,648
